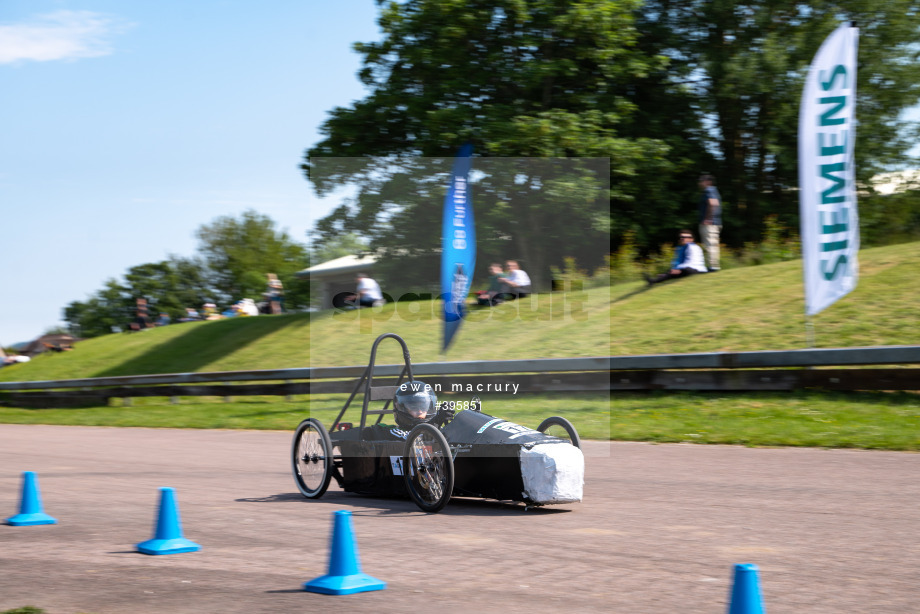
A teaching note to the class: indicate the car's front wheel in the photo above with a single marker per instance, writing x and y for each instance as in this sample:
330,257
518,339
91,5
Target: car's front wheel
428,468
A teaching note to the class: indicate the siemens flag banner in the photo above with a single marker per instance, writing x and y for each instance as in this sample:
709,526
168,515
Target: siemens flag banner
458,242
827,198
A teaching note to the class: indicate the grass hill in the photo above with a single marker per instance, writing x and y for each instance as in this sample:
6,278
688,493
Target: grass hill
752,308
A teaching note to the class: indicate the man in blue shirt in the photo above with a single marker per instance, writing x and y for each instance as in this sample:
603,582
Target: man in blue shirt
710,219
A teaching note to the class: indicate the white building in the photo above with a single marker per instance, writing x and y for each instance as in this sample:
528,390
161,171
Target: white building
337,277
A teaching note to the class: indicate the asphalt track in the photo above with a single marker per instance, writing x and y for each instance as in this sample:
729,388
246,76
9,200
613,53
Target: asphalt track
659,531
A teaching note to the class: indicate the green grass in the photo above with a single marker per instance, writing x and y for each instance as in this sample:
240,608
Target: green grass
874,420
273,413
551,325
753,308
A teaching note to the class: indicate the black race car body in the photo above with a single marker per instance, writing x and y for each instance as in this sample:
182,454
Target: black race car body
492,458
471,455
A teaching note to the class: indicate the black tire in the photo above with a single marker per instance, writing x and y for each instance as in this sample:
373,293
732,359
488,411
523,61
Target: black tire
561,428
428,468
311,458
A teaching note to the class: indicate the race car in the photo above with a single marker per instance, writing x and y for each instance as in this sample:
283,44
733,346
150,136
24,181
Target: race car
435,452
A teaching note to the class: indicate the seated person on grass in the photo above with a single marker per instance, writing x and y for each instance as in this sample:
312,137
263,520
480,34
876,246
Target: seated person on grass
517,282
497,286
369,293
688,260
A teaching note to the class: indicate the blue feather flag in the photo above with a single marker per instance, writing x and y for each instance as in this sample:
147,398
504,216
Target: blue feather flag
458,242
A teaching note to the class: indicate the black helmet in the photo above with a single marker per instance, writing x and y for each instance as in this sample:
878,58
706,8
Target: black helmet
415,402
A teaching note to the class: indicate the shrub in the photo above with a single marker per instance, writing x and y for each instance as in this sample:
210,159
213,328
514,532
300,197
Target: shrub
779,244
624,264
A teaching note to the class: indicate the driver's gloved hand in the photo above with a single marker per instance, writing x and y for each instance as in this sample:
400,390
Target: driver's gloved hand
445,412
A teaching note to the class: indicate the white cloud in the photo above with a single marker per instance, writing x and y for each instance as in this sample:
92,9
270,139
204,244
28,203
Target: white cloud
61,35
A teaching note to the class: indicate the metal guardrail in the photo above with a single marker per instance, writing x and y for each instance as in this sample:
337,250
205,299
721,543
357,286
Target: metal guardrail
476,367
718,371
825,357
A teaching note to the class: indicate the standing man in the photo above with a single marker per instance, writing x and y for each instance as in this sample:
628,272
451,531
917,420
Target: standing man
710,219
274,293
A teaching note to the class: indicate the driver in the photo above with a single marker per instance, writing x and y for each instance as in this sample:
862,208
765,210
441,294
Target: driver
416,403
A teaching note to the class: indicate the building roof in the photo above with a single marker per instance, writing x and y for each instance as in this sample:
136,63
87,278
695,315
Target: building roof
346,264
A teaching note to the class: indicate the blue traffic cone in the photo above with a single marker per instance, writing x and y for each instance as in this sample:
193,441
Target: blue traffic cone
30,510
344,575
745,595
167,538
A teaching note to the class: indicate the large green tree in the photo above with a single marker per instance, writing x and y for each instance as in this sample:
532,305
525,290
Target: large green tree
516,78
105,311
168,286
741,65
241,252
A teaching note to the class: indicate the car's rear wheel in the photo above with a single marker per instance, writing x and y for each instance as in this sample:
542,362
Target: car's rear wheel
558,426
428,468
311,458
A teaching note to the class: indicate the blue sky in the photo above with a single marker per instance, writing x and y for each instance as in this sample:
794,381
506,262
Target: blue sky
125,126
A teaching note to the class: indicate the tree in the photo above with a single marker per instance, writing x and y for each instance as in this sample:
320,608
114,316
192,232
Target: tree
56,330
239,253
236,256
517,78
107,310
342,245
743,65
170,286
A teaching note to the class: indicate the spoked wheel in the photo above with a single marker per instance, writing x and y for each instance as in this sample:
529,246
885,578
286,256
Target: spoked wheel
561,428
429,469
311,458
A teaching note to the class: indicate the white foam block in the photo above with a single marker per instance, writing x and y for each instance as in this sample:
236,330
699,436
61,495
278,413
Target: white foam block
553,473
